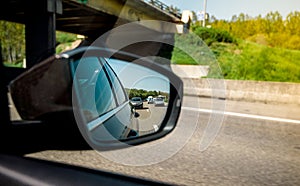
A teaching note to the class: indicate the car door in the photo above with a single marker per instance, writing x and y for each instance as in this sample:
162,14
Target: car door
103,100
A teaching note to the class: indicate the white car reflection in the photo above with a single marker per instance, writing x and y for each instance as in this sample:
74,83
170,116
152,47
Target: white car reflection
159,101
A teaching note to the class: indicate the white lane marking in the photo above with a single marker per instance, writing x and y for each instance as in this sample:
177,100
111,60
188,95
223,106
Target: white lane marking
242,115
155,128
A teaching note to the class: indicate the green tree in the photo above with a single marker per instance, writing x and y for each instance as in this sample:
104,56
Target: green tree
271,30
292,23
12,37
274,22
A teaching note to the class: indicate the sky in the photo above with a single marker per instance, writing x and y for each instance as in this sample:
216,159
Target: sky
138,77
225,9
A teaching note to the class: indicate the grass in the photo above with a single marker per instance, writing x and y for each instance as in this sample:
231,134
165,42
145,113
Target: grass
243,60
250,61
17,64
191,50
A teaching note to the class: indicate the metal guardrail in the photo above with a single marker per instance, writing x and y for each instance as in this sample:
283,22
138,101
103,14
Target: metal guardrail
160,5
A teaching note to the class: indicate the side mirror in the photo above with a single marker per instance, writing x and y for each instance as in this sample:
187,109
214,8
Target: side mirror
117,84
105,90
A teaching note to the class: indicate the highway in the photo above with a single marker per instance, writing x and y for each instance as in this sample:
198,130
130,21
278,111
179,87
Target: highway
246,150
150,118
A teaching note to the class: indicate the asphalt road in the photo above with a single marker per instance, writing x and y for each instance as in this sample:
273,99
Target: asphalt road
150,118
245,149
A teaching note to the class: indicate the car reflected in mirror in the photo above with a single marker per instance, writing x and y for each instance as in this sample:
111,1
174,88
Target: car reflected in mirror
107,91
159,101
136,102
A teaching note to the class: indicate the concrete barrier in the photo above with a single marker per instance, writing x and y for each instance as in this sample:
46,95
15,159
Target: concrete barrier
261,91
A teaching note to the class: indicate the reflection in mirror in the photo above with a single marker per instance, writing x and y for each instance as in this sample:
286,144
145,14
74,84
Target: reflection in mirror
148,92
119,100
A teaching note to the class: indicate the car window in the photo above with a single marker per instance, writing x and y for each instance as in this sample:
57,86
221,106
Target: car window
135,99
94,87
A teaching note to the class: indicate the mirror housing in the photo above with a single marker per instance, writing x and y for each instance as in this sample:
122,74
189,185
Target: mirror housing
48,87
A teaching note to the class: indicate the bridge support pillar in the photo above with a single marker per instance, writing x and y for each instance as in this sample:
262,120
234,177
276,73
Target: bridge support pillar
4,109
40,29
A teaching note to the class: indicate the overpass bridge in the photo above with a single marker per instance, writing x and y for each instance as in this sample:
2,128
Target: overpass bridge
91,18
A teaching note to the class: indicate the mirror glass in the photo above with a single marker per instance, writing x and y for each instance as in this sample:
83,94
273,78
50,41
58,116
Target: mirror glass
119,100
